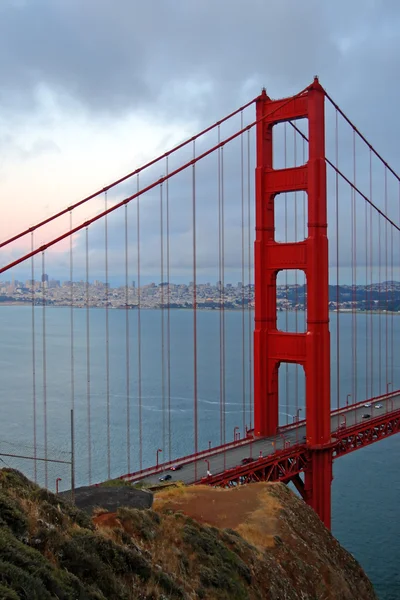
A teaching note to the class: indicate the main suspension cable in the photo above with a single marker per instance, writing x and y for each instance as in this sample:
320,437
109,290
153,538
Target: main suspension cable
151,163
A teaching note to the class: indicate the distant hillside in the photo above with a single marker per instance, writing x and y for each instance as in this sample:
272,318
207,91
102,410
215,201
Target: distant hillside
383,297
270,545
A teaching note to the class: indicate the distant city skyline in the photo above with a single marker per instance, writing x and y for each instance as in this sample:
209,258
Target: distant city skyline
148,280
376,296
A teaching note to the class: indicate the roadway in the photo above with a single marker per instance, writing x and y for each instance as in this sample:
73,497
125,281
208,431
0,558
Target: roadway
219,460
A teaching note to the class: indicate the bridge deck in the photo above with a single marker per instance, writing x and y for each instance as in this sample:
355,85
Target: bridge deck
222,459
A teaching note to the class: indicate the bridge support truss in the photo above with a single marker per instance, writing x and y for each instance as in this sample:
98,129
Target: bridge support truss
271,346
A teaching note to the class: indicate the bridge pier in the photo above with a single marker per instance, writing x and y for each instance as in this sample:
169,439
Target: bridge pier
316,487
317,484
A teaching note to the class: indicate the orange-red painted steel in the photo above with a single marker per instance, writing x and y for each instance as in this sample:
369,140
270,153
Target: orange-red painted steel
366,433
271,346
286,465
280,466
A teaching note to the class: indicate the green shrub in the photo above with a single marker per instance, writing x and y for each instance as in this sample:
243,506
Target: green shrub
6,593
98,560
34,566
26,585
12,515
221,567
169,585
13,479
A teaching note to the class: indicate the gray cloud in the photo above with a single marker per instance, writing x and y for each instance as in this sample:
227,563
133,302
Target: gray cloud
186,59
194,56
196,61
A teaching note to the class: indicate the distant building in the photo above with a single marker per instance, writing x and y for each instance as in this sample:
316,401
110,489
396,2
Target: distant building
53,283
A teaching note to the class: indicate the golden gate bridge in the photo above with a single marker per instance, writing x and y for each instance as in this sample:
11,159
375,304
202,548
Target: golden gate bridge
323,209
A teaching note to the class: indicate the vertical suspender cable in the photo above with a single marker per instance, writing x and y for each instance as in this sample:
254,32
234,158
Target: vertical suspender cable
337,262
296,395
139,326
221,289
355,275
195,413
163,407
44,372
242,278
396,384
107,341
168,314
71,300
379,305
367,347
368,312
286,283
392,309
88,391
352,289
371,258
34,365
221,420
223,299
249,293
127,348
72,357
386,285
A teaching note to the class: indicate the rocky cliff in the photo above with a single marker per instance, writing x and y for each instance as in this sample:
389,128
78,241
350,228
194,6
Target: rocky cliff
257,541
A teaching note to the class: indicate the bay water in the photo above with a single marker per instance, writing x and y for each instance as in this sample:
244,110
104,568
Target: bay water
123,414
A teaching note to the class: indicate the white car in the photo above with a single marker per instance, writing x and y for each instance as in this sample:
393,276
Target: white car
367,405
378,406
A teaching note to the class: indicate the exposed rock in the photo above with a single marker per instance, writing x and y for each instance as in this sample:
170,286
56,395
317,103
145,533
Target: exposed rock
110,498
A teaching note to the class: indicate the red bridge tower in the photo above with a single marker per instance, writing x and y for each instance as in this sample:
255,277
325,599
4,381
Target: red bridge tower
271,346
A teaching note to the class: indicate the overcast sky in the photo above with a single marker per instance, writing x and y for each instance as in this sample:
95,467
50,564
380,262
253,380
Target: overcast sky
91,89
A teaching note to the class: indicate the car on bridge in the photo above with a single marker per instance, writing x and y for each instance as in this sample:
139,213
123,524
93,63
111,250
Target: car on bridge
165,477
366,416
378,406
176,467
247,460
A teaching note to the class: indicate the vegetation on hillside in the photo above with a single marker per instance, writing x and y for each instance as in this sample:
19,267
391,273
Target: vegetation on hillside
51,550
